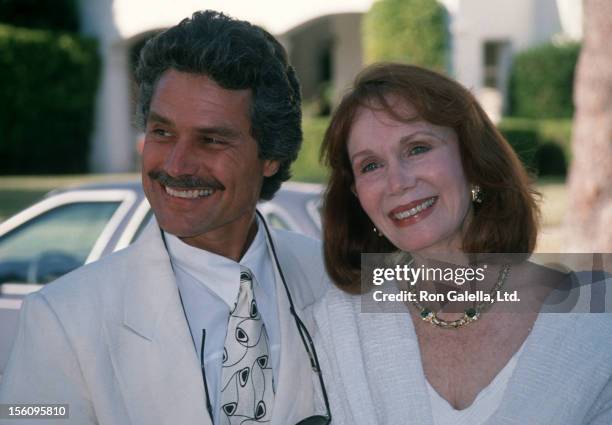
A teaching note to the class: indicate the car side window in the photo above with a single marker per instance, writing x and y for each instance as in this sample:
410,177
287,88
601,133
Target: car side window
54,242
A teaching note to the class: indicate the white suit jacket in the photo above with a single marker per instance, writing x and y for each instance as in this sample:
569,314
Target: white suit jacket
111,340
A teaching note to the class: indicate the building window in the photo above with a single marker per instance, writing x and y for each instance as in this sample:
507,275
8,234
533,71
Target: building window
496,63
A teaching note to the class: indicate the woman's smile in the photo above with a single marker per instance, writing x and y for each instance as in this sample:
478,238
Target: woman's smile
413,212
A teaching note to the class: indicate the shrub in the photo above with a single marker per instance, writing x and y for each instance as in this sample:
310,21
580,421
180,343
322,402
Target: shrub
559,132
542,145
59,15
410,31
550,160
48,89
525,143
541,81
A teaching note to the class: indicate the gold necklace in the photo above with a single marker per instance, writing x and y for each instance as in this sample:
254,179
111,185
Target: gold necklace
470,314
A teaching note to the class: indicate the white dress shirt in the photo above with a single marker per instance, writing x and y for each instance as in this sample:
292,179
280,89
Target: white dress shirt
208,284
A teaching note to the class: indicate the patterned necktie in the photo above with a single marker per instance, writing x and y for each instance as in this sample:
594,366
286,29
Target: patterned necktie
247,393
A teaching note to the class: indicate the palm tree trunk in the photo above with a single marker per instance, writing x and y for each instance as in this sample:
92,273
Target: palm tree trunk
588,221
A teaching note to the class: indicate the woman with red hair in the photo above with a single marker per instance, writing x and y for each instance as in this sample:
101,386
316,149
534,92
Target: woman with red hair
418,168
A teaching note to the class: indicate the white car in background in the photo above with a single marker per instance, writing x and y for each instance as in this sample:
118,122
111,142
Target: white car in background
75,226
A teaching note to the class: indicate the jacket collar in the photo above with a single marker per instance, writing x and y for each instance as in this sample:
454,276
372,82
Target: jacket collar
152,285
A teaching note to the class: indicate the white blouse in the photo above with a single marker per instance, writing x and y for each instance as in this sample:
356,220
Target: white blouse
485,404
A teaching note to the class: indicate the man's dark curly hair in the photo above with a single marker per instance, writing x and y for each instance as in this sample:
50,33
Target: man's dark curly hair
236,55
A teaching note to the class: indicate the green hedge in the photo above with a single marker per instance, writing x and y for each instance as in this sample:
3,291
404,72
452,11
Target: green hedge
307,167
550,160
410,31
544,146
525,143
541,81
48,85
60,15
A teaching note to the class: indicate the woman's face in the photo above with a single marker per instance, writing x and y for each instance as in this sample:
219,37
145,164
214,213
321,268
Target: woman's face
409,179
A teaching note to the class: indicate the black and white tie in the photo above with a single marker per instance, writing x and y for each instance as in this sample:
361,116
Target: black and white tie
247,394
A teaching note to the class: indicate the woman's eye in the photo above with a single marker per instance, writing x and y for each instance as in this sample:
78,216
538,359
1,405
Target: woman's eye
417,150
370,166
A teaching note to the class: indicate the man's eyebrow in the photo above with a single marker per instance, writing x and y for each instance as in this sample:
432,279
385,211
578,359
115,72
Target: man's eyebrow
219,131
154,116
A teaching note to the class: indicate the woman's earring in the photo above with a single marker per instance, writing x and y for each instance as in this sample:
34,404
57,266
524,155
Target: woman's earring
476,194
377,232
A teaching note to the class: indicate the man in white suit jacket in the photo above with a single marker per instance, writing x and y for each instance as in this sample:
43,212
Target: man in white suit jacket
116,340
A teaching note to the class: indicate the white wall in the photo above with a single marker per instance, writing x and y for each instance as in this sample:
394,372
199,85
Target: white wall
546,21
112,146
570,14
476,21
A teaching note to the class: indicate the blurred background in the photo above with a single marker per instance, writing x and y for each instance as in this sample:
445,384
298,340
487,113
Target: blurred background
68,96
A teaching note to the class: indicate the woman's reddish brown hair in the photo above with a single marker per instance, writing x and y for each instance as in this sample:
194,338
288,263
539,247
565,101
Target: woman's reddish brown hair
505,222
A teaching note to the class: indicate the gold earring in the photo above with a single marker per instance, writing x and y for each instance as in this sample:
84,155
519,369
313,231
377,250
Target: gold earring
476,194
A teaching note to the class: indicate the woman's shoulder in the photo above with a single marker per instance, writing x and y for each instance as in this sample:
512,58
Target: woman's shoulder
336,304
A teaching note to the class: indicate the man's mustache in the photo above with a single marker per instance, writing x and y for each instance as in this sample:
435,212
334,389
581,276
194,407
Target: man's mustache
185,181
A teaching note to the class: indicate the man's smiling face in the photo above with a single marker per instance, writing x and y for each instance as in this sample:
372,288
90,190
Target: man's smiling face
201,172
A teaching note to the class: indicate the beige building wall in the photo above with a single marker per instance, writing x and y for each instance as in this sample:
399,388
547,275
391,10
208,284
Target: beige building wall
332,40
348,52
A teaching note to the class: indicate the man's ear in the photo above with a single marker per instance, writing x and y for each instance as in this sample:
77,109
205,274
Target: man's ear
270,167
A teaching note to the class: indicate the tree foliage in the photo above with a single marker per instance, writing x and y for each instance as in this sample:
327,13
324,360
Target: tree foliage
410,31
48,89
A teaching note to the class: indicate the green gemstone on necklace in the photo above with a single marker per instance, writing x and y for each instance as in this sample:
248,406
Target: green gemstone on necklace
470,312
425,313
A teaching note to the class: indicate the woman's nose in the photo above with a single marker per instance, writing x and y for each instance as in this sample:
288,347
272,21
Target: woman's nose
399,178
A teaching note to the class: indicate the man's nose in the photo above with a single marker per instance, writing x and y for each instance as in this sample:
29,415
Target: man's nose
399,178
181,159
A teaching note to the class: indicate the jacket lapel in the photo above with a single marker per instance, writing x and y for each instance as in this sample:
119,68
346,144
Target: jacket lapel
294,391
151,349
